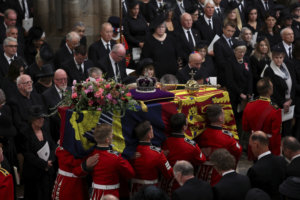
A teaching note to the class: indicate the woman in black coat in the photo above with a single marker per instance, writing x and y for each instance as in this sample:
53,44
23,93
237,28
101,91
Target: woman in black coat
39,155
282,76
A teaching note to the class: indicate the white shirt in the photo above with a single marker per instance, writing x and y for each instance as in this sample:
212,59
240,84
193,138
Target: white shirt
181,6
187,36
113,66
263,2
70,51
263,154
228,172
24,9
207,21
58,91
81,66
159,2
216,9
227,39
286,47
105,44
8,58
296,156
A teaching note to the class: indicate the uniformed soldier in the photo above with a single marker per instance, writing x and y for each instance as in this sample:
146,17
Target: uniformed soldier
150,161
6,182
177,147
261,114
110,167
214,137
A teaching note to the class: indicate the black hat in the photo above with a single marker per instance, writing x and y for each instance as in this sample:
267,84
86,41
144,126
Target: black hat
142,64
294,6
277,49
260,38
35,33
46,53
279,7
239,43
46,71
36,111
114,21
231,6
158,20
285,14
257,194
291,187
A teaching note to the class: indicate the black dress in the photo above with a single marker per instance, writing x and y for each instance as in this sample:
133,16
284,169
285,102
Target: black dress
163,53
252,29
38,181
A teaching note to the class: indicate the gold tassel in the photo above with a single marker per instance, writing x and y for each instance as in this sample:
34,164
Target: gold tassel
144,106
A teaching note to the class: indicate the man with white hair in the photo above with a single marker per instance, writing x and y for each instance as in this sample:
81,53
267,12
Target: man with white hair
10,47
66,52
209,25
287,36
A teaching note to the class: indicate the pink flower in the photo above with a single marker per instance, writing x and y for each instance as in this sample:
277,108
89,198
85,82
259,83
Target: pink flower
108,96
99,79
74,82
128,94
107,86
99,109
114,101
98,94
91,102
74,95
90,87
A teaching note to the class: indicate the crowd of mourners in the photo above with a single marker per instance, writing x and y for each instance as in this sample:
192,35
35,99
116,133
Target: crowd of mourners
252,49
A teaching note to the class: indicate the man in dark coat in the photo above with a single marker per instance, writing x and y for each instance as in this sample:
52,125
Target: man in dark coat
291,150
232,185
77,68
287,36
113,65
103,46
268,172
191,187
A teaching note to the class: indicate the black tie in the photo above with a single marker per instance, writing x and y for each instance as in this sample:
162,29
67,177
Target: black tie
219,12
107,47
160,5
290,52
266,5
191,43
230,42
80,68
62,92
209,23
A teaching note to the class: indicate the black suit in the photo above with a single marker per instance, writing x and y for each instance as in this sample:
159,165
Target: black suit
14,4
232,186
3,66
97,50
3,34
293,169
106,66
286,57
206,33
223,55
193,189
183,75
262,12
220,15
51,98
177,13
184,47
267,174
74,74
61,56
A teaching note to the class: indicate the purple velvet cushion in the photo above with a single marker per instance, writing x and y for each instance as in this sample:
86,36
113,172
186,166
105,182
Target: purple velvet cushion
152,96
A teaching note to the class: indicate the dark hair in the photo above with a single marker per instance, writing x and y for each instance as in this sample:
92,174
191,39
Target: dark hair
213,112
142,129
35,33
262,139
132,4
150,193
222,160
291,143
14,69
229,24
263,86
248,13
177,122
81,49
101,132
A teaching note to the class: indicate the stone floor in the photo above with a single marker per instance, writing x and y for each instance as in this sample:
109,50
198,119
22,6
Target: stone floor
244,164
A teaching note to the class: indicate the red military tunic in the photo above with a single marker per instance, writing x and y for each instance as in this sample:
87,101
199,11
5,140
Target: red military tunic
262,115
107,171
69,178
215,138
6,185
148,165
181,148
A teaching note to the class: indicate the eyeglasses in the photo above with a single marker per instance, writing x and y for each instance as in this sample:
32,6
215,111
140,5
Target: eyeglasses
27,82
61,79
12,46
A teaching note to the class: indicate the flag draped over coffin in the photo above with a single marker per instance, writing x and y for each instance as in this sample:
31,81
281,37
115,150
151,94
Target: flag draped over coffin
77,128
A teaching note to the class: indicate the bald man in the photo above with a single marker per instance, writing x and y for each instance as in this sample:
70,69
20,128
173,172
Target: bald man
268,172
52,97
103,46
287,36
113,65
194,64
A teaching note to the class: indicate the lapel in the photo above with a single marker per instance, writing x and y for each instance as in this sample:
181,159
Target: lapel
55,95
110,71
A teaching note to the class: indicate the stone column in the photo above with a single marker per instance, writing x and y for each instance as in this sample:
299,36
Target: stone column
115,8
41,11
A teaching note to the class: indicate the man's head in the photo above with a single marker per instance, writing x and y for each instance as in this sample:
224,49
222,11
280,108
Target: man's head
209,8
229,29
195,60
72,40
79,28
103,134
106,31
290,147
215,114
95,73
10,46
10,17
60,79
80,54
178,123
287,35
183,171
223,161
186,21
259,143
118,52
264,87
144,131
24,84
12,31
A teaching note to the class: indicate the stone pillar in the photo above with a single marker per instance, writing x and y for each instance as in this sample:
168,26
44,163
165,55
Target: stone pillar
115,8
42,18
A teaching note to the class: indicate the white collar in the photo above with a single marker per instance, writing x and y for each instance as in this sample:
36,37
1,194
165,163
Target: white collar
5,25
185,30
228,172
226,38
296,156
286,46
206,19
7,57
70,51
105,43
77,63
217,7
58,90
263,154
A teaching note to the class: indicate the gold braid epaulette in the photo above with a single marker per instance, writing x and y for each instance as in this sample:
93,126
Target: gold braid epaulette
4,171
